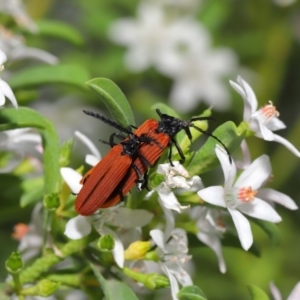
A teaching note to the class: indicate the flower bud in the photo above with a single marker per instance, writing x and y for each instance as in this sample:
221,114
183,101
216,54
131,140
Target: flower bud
51,201
106,243
137,250
155,179
14,263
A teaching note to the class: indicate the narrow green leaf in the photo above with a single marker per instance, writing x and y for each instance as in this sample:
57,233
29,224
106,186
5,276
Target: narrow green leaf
257,293
114,99
11,118
205,158
60,30
270,229
191,292
113,289
46,74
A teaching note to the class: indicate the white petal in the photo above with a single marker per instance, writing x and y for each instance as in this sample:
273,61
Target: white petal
118,251
250,95
173,282
72,178
195,183
213,195
275,124
278,197
128,218
287,144
256,174
261,210
229,169
7,91
250,101
169,200
295,294
246,156
179,272
88,143
91,160
170,220
213,241
123,31
158,238
264,132
3,57
78,227
243,228
28,52
275,291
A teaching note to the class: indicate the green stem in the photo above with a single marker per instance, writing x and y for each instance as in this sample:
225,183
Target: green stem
43,264
17,282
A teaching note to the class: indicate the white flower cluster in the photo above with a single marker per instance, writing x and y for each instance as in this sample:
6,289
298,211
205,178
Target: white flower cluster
180,48
239,196
13,48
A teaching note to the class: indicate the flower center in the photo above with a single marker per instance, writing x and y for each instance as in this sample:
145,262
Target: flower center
246,194
269,111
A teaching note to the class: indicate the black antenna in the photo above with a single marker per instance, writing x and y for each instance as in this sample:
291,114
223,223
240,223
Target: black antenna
108,121
213,136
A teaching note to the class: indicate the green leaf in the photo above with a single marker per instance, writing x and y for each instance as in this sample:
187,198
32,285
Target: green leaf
270,229
113,289
165,109
120,290
231,240
191,292
11,118
114,99
46,74
33,191
257,293
60,30
228,240
205,158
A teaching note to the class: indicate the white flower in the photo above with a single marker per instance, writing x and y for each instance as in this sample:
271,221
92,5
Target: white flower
173,254
294,295
5,90
121,217
176,177
21,142
179,48
13,45
200,79
143,36
240,197
263,121
210,230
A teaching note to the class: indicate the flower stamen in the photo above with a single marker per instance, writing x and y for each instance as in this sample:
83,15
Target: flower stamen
269,110
246,194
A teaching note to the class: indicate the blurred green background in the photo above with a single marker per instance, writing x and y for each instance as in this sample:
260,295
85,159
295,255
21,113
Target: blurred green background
265,37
